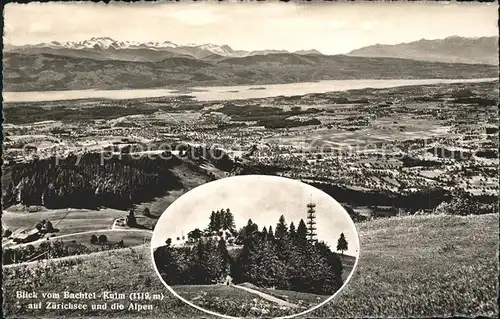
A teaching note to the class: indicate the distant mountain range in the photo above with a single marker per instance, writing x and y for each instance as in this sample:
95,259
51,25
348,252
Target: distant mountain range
453,49
107,48
103,63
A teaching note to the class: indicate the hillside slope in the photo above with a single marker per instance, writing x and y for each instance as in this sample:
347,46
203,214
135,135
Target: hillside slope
421,266
482,50
39,72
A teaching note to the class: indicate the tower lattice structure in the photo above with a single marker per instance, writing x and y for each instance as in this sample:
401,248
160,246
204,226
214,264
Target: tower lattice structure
311,222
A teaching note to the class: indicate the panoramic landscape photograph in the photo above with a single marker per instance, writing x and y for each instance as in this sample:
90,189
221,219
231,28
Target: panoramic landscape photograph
114,115
287,243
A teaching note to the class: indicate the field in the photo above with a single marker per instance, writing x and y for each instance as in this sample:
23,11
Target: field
69,221
130,238
74,221
420,266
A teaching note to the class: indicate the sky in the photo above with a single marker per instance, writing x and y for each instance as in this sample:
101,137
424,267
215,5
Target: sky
331,28
260,198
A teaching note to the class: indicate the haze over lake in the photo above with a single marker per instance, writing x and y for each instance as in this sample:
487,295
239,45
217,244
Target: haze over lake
240,92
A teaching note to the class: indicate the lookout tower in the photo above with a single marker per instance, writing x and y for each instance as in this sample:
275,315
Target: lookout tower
311,222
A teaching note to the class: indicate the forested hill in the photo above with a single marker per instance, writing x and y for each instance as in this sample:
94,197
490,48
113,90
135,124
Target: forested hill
283,259
87,181
41,72
93,180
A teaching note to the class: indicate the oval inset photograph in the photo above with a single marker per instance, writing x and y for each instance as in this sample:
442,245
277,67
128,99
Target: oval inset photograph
255,246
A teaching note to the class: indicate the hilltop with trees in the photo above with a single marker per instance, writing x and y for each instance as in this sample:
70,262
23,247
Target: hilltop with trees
282,258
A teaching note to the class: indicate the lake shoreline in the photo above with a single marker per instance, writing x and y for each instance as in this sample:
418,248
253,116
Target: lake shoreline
220,93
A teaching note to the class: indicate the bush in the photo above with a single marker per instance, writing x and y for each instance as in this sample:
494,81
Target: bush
93,239
103,239
48,226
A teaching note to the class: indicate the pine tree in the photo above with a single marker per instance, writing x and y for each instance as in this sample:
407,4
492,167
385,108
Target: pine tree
228,221
264,233
211,225
250,228
342,243
333,281
248,254
281,229
270,233
199,267
218,220
292,230
271,271
225,259
302,233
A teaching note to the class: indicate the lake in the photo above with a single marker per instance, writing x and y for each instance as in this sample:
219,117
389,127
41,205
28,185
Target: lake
239,92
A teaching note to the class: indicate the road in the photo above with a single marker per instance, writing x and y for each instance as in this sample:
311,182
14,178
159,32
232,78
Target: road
278,301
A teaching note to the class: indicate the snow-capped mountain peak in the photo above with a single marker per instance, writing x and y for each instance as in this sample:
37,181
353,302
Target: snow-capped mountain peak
109,47
224,50
106,43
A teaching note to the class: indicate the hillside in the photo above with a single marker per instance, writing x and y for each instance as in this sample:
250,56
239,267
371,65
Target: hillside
482,50
39,72
127,54
422,266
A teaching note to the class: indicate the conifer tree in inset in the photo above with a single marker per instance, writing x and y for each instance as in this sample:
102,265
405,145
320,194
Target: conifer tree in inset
292,230
281,229
302,233
342,244
211,224
264,232
218,220
225,258
228,220
270,233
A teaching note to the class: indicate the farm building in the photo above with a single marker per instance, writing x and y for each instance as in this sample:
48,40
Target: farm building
25,235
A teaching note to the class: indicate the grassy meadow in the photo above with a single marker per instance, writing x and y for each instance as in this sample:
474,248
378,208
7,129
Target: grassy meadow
74,221
419,266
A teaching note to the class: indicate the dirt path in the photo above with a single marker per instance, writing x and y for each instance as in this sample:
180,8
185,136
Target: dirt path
278,301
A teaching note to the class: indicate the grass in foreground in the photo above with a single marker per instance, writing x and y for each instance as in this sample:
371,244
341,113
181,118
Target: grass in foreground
231,301
422,266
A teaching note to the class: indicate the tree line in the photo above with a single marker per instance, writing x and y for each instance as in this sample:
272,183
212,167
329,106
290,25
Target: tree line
90,180
283,259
